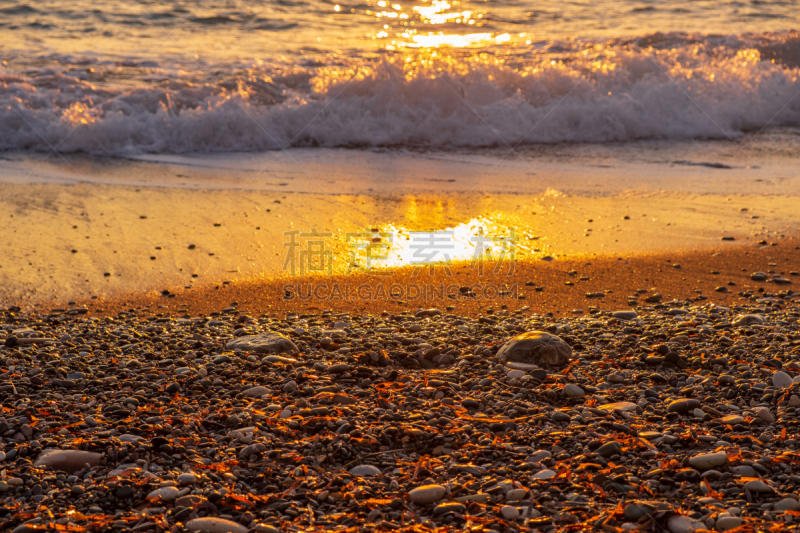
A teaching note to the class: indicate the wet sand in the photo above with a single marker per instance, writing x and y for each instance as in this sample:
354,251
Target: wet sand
564,287
77,242
80,227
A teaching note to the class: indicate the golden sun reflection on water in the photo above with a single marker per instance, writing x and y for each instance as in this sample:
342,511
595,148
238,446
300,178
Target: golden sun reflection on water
485,238
402,29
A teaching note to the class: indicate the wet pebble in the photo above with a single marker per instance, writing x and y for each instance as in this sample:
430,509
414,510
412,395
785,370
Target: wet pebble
427,494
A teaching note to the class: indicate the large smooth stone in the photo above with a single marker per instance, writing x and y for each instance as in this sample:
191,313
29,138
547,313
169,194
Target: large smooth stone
683,524
618,406
215,525
747,320
707,461
269,342
635,511
764,414
609,448
67,460
258,390
758,486
731,420
544,474
516,494
571,390
166,494
787,504
724,523
782,380
365,470
744,471
509,512
682,405
427,494
537,348
625,315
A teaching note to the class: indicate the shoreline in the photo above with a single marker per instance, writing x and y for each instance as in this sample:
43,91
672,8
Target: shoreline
86,228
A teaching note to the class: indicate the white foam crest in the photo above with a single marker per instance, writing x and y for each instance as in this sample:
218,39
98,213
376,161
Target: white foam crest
683,88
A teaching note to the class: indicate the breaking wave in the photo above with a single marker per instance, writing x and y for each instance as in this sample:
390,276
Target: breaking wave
672,87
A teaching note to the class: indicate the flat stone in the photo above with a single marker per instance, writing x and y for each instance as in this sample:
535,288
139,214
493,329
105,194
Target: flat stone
215,525
787,504
365,470
509,512
265,528
634,511
539,373
166,494
536,347
724,523
427,494
539,455
743,470
782,380
683,524
731,420
515,494
682,405
449,507
764,414
279,359
187,478
476,498
757,485
521,366
544,474
748,320
707,461
190,500
268,342
650,435
571,390
609,448
67,460
619,406
255,391
515,374
560,416
625,315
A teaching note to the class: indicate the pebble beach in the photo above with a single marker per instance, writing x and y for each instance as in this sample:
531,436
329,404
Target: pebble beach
672,416
279,266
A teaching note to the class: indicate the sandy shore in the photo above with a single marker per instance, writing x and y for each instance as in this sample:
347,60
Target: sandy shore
82,228
75,242
564,287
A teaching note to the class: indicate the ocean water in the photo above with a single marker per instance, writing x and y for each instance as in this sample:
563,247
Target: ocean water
130,77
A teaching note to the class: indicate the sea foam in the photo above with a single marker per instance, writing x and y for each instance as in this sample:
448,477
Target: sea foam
671,87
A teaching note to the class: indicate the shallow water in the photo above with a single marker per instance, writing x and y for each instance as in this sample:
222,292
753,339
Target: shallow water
127,77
